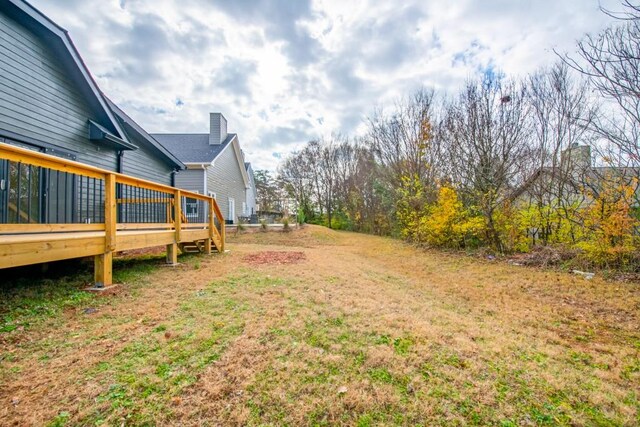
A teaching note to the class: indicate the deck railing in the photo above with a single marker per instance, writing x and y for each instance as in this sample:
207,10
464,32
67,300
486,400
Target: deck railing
45,195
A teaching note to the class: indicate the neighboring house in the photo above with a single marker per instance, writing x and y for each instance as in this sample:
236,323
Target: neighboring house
50,103
251,206
573,184
575,179
215,167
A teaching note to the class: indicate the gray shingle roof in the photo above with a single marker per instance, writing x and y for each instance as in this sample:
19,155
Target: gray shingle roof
129,122
192,147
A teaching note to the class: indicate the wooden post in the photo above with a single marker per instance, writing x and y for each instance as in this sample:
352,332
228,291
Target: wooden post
177,211
172,253
102,267
110,212
103,264
222,233
212,215
207,246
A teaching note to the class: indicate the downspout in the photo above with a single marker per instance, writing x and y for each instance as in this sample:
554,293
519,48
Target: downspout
173,177
120,164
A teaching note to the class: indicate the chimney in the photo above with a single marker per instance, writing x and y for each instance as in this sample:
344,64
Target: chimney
576,156
217,128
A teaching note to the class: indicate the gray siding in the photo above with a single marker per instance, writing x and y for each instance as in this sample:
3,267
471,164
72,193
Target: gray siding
191,179
225,179
39,101
144,163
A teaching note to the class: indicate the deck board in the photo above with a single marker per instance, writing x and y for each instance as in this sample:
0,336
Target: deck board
24,249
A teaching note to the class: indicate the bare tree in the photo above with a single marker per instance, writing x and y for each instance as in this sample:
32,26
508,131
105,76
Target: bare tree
561,112
611,62
487,143
404,142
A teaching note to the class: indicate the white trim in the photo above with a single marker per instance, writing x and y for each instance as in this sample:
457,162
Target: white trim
186,213
231,215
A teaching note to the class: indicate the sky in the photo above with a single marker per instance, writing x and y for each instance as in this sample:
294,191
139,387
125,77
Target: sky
284,72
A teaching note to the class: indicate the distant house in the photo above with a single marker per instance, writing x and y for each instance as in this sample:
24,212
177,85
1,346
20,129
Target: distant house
50,103
215,167
575,179
251,207
573,184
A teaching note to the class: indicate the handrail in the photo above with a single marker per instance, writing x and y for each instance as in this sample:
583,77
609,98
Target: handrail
35,158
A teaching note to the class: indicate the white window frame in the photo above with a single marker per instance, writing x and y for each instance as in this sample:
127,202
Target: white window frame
188,205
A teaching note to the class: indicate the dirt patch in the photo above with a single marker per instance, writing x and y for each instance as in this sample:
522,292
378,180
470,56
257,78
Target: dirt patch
275,257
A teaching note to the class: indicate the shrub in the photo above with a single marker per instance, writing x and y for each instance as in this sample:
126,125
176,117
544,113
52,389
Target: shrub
300,216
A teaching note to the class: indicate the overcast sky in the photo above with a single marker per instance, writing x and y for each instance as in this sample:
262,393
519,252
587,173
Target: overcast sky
287,71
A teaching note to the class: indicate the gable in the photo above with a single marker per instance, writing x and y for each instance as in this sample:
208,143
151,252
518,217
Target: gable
46,91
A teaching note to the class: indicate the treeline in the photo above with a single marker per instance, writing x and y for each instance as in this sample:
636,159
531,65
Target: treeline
505,163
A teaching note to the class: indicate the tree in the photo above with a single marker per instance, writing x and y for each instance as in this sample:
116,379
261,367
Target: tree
268,191
486,134
611,62
561,111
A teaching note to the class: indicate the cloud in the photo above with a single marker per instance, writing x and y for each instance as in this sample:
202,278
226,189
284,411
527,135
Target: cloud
284,72
234,76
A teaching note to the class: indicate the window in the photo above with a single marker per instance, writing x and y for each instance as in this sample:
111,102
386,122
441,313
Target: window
191,207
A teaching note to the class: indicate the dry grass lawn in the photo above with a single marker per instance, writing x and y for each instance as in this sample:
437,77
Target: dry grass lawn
317,327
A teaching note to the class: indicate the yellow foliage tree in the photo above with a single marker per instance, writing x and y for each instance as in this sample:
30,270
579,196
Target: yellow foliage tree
447,223
611,238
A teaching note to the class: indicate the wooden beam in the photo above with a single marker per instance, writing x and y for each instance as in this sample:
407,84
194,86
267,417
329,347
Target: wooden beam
29,249
172,254
145,226
144,239
103,269
48,228
207,246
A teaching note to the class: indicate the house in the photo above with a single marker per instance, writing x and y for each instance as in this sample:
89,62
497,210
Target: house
572,185
78,177
215,167
50,103
574,180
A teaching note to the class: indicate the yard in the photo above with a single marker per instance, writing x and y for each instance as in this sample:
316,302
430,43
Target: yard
317,327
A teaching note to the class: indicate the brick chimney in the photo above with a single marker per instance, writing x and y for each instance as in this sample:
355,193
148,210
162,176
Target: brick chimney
217,128
576,156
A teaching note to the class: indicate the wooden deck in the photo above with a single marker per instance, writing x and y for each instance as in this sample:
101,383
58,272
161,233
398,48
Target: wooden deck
35,242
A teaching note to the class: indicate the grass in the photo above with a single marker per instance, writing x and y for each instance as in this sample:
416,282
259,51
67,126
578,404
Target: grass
365,331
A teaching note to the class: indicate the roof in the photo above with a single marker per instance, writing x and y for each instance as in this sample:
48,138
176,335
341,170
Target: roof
131,126
193,147
60,42
594,173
